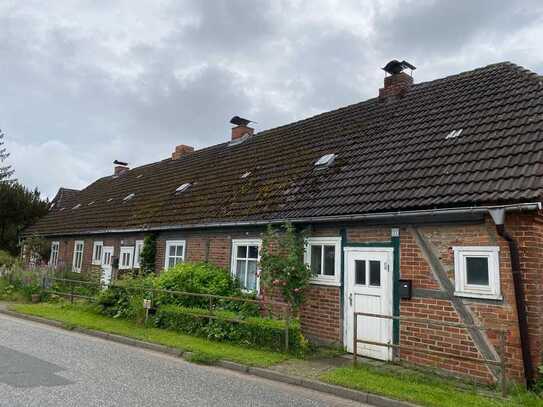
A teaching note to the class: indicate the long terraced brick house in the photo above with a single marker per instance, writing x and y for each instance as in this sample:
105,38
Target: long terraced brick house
423,202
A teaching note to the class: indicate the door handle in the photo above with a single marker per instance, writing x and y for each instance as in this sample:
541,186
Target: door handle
351,299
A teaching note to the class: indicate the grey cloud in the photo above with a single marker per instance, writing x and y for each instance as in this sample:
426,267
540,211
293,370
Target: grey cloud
87,83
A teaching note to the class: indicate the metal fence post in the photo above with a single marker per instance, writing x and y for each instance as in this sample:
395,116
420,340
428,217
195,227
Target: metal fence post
355,338
503,363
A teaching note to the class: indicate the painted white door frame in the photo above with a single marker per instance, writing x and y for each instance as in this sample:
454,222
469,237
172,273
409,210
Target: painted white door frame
106,266
360,296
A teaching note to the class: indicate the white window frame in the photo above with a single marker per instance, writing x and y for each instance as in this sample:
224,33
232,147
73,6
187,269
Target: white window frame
462,288
170,243
95,245
325,241
234,257
137,253
75,267
128,250
55,250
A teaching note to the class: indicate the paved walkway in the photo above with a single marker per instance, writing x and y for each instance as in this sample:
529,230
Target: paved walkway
45,366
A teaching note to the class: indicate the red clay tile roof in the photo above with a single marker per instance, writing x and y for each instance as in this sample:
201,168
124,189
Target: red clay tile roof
390,156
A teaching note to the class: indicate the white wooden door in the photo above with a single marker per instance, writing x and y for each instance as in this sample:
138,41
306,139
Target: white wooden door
107,256
368,288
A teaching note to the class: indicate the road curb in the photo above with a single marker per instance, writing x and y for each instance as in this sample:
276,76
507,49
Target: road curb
343,392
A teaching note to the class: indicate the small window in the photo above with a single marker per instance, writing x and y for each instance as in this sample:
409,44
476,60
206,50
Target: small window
126,256
323,255
53,259
325,161
360,272
175,253
245,258
454,134
78,256
183,188
97,253
129,197
477,272
137,253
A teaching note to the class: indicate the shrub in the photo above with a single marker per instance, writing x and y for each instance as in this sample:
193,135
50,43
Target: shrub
282,264
148,255
200,278
125,298
6,259
253,331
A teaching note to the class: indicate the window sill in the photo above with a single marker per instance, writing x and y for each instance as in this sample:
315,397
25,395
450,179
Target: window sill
478,296
316,281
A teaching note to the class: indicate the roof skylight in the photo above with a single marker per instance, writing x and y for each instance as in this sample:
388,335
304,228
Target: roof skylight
129,197
325,161
183,188
454,134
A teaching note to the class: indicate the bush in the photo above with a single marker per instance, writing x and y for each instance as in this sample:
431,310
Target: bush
253,331
200,278
6,259
125,298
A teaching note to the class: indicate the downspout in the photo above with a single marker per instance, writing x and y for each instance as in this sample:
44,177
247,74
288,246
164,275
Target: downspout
498,216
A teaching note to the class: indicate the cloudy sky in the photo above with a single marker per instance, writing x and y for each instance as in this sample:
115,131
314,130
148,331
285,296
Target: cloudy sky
87,82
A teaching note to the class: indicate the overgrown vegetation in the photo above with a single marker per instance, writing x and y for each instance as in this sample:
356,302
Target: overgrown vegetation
282,264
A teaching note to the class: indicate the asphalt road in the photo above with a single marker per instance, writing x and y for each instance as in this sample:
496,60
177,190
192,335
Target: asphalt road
43,366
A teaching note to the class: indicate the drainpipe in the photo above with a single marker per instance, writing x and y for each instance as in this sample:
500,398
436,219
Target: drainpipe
498,216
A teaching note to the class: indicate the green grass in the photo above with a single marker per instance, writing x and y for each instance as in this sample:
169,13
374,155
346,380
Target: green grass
203,350
420,389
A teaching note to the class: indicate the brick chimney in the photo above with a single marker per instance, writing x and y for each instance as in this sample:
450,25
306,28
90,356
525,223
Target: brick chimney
120,170
241,128
182,150
397,84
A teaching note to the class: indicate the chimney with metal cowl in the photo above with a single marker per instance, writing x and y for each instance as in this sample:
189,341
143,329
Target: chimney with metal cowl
120,168
397,83
241,129
182,150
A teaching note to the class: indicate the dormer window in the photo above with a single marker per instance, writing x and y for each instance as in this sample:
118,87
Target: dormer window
325,161
129,197
183,188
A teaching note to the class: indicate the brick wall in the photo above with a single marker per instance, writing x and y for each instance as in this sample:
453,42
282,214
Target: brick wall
321,315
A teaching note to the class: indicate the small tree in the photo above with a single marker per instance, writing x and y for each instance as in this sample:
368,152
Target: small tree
282,264
148,255
37,250
5,171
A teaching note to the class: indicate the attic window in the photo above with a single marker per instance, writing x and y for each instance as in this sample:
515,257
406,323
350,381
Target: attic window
325,161
183,188
77,206
454,134
129,197
246,174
